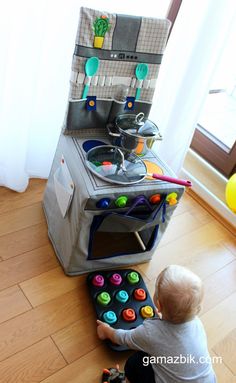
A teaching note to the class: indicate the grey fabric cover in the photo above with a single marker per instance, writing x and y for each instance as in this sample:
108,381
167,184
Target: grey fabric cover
136,40
70,235
74,220
78,117
149,39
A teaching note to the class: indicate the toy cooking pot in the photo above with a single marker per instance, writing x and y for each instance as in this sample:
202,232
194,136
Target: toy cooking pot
137,133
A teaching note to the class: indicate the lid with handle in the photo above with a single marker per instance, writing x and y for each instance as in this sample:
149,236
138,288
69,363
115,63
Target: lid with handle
137,125
114,165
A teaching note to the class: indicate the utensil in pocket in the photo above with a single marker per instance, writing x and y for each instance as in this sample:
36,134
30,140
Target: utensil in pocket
91,68
141,73
120,166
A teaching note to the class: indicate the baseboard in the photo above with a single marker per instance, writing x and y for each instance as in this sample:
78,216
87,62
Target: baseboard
211,202
212,211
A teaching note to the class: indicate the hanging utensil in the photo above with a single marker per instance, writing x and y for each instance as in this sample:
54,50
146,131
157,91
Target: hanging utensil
119,166
141,73
91,68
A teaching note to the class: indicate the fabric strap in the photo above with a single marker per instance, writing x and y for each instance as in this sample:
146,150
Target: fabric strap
126,32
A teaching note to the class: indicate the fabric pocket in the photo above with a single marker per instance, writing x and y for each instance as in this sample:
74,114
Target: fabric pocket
118,107
64,187
78,117
135,219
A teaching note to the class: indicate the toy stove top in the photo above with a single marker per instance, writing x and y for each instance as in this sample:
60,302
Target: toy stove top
152,162
97,187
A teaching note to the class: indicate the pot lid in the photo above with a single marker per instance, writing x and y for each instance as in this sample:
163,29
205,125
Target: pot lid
115,165
137,125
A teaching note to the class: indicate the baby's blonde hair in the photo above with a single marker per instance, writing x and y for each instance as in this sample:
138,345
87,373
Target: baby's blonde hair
180,293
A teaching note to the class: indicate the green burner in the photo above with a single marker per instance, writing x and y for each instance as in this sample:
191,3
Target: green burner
133,278
104,298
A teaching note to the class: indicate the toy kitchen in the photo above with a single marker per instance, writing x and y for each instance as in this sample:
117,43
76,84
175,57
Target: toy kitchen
109,197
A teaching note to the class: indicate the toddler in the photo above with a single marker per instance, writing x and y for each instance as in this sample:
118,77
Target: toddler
173,347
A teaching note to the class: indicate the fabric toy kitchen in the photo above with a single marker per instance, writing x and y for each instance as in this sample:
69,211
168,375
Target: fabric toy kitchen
95,222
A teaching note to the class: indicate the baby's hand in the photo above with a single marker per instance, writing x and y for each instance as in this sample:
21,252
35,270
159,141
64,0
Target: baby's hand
158,313
102,330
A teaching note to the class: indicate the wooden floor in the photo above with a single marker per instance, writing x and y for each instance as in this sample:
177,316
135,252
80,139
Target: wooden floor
47,324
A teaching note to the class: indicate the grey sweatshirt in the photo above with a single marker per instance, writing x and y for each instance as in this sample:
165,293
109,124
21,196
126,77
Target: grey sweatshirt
178,352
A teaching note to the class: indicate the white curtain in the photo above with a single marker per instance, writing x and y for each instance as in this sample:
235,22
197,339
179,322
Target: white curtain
37,42
36,45
195,44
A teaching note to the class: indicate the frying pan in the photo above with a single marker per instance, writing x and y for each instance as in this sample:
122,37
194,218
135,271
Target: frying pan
120,166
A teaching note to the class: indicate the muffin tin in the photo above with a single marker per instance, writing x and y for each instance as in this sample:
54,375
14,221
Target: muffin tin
121,299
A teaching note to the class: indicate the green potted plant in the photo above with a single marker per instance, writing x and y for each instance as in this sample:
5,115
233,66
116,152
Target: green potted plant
100,26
